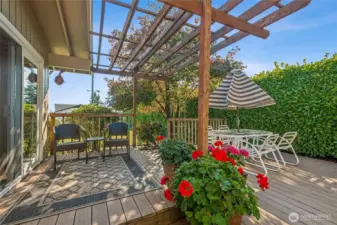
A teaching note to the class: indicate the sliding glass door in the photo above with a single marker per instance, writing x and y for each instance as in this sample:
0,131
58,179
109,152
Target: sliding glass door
10,110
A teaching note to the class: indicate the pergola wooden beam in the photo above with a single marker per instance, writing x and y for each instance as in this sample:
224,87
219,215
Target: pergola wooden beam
204,68
189,37
110,55
134,104
146,11
101,30
118,38
128,74
247,15
146,36
124,32
220,17
145,50
264,22
167,32
125,39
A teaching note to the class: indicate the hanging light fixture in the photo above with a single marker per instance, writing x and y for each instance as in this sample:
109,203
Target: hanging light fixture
32,77
59,79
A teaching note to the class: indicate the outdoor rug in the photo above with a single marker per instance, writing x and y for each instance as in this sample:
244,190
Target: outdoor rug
76,179
76,184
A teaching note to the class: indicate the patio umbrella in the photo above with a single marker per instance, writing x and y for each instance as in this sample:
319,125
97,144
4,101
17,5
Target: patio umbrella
236,92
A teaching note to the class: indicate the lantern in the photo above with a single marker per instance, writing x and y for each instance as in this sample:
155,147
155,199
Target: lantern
59,79
32,77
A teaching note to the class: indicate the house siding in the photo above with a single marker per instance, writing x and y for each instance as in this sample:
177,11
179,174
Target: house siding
21,14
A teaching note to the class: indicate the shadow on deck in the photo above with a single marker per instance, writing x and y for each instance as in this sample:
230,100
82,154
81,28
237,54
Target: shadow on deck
121,191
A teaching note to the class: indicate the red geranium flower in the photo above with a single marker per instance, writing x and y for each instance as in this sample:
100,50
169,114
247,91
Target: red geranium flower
240,169
196,154
219,155
160,138
231,160
233,150
218,143
210,148
168,195
164,179
244,152
262,181
185,188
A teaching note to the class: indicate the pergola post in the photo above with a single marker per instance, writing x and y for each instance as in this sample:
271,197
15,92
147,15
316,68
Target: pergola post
204,68
134,103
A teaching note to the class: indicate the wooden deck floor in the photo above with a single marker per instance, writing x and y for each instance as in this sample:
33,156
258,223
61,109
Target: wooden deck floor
309,189
126,210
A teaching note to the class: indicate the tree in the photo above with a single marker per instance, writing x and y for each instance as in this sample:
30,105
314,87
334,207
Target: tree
93,126
121,93
170,97
30,93
96,99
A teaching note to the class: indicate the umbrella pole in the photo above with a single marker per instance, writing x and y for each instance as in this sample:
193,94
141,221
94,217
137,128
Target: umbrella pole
238,119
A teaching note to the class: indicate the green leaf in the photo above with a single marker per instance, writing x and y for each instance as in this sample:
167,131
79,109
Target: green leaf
219,219
225,185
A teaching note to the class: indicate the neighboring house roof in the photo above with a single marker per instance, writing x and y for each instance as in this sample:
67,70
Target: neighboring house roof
65,108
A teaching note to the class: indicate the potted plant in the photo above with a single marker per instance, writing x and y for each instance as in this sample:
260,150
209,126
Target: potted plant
212,189
173,153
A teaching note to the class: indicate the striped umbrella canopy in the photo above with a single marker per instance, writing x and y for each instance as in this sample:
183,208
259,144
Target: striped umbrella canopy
237,91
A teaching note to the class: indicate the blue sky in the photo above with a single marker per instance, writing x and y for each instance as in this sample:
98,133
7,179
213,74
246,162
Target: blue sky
309,34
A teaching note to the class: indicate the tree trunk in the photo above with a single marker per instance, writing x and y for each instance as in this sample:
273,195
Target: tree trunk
167,100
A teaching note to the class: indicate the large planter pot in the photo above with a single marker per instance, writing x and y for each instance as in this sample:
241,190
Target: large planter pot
169,169
236,220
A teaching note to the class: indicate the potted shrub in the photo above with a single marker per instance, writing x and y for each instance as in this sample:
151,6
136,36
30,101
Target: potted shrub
212,189
173,153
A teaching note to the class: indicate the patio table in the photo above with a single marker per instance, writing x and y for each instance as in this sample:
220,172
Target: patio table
237,136
242,133
95,146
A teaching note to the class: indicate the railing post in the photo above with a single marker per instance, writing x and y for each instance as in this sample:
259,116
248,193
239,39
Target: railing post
51,135
169,128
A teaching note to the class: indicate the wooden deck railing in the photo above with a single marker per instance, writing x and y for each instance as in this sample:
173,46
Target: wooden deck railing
187,128
94,124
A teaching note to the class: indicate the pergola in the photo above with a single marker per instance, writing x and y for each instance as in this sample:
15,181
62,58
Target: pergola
138,63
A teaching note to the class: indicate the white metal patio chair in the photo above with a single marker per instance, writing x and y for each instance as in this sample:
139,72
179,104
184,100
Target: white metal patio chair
285,143
267,146
211,138
211,135
253,152
223,127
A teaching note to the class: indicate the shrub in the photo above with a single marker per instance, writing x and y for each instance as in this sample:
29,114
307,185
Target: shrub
30,129
148,131
93,126
175,151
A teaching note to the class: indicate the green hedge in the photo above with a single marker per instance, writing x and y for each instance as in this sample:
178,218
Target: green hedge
306,102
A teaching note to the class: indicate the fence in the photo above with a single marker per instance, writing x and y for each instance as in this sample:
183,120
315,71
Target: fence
187,128
93,124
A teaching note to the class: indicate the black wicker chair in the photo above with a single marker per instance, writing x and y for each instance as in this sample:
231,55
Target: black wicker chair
69,131
120,132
